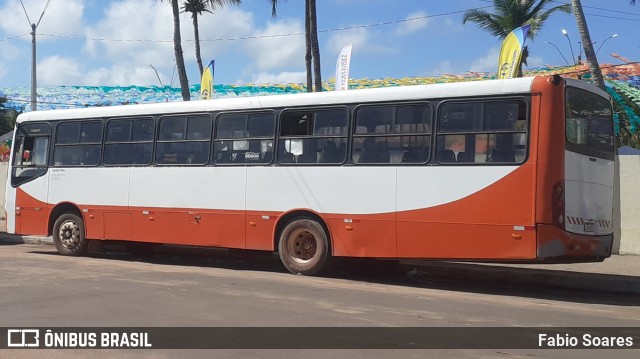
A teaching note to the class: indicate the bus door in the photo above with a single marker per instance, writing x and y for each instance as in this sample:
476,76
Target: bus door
27,209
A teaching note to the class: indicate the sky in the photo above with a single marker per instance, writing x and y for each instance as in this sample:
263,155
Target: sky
111,42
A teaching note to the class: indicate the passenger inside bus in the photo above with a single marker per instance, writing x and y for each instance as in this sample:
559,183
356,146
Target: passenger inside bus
454,150
330,153
503,151
368,154
284,156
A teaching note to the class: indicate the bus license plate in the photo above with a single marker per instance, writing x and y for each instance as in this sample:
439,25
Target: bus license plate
589,227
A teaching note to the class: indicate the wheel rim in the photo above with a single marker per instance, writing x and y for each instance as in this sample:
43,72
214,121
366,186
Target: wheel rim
302,246
69,234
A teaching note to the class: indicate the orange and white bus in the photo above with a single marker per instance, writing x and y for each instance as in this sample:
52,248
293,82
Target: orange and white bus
500,170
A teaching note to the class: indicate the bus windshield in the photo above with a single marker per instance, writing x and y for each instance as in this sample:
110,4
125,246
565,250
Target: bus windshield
589,124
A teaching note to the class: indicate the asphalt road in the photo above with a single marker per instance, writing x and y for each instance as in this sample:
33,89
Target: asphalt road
39,288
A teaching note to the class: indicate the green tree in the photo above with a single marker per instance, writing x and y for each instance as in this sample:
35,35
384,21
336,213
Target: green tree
312,45
177,51
7,117
197,8
512,14
589,53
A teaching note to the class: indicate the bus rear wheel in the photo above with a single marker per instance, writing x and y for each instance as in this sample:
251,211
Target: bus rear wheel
304,247
68,235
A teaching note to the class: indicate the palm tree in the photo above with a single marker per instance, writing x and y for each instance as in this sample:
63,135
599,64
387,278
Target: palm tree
589,53
198,7
315,45
512,14
177,50
312,53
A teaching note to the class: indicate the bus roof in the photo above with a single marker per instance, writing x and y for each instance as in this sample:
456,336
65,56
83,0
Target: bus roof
416,92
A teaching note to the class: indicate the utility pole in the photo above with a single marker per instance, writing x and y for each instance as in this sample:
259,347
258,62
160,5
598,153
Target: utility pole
34,82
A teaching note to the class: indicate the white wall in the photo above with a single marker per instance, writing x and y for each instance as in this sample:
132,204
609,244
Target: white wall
628,208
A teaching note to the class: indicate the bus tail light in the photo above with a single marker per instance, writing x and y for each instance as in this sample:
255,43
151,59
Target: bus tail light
557,205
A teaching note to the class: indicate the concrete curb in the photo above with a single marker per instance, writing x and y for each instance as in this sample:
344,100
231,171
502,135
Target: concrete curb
17,239
476,272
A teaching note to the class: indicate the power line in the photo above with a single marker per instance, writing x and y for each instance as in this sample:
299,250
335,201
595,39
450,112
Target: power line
43,11
265,36
319,31
14,37
613,17
596,8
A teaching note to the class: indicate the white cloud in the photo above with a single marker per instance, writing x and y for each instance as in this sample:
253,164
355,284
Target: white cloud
56,71
488,62
282,77
419,22
61,17
122,22
228,23
128,59
359,38
279,52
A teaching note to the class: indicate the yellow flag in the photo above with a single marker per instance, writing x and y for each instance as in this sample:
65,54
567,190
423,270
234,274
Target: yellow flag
206,84
511,53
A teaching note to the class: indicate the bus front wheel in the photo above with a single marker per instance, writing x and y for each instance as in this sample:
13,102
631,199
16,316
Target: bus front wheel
68,235
304,247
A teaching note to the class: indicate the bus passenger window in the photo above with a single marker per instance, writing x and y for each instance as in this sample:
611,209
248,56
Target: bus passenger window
244,138
395,133
314,135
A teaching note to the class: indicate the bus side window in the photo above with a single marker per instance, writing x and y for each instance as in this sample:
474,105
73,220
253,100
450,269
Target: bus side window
32,151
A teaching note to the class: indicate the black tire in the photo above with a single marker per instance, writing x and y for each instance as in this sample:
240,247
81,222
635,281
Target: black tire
68,235
304,247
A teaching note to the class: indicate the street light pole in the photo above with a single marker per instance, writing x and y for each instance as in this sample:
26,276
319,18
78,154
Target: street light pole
564,32
560,52
579,52
605,40
158,76
156,71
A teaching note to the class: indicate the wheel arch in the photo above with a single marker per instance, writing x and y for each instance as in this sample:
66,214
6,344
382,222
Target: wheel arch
285,218
58,210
